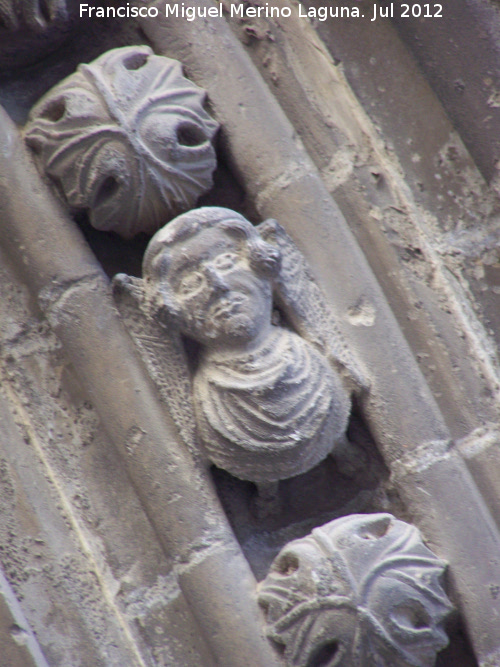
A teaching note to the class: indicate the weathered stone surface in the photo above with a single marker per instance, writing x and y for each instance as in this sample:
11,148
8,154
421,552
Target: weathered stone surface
359,591
127,138
180,503
460,55
284,184
18,645
115,597
268,405
75,543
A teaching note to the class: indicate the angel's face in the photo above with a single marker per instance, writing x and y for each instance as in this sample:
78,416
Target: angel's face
221,298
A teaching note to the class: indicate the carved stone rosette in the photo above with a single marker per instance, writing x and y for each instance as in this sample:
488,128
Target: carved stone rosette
127,138
360,591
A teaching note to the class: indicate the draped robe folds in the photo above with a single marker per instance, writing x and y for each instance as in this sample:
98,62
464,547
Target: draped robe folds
271,413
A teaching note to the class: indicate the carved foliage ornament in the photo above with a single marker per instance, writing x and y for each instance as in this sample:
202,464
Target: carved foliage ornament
361,591
126,137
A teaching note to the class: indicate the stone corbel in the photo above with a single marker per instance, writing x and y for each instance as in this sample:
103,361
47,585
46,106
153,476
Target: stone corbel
402,415
127,138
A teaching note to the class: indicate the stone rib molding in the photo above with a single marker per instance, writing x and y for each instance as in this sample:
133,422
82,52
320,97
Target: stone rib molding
178,498
320,104
17,641
51,530
399,407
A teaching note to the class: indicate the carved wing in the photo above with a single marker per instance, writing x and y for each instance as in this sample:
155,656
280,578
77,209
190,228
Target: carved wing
305,306
160,346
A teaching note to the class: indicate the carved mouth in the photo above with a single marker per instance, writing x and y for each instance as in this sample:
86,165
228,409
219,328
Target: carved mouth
227,306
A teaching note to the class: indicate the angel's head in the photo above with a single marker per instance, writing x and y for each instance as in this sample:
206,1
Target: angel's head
214,273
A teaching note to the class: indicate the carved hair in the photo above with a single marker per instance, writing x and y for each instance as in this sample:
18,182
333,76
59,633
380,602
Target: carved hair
264,258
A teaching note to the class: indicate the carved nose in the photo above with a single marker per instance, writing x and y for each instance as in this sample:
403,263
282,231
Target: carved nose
216,280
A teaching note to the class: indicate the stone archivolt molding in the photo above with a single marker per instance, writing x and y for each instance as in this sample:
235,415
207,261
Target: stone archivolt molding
126,137
268,403
362,590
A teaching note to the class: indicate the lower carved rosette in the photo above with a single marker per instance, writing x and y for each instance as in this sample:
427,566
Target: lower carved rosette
361,591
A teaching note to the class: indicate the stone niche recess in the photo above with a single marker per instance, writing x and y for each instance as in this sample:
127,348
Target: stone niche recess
249,384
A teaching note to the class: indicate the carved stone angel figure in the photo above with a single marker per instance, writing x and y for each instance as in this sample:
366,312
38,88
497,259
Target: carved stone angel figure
268,404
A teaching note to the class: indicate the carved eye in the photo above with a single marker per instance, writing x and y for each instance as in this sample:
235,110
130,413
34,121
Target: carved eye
55,110
375,529
135,61
225,261
191,283
108,188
